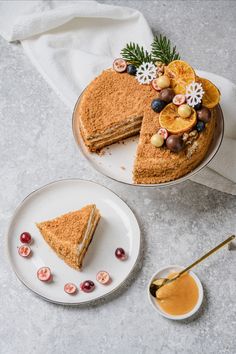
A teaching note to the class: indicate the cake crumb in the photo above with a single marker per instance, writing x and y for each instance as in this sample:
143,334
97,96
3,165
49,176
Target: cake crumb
123,168
101,152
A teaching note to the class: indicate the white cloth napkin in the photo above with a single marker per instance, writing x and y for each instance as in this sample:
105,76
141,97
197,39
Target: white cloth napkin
70,42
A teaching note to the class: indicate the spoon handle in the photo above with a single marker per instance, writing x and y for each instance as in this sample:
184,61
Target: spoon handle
229,239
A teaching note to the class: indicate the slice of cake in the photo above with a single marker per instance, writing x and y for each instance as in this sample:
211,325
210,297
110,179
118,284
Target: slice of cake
69,235
111,109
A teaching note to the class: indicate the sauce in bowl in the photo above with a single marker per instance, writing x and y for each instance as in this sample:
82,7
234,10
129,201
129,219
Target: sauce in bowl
180,296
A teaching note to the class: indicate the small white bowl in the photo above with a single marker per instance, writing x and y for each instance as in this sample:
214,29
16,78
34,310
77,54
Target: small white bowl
162,273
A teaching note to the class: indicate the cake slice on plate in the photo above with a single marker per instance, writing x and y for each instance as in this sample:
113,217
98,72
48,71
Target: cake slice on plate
69,235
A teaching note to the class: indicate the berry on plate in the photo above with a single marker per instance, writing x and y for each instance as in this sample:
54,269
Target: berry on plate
25,237
24,251
119,65
120,254
87,286
44,274
70,288
103,277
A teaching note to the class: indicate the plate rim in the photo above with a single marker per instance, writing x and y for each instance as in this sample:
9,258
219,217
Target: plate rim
81,303
151,185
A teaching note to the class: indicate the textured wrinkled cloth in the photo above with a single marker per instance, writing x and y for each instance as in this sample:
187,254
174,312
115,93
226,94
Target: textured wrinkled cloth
70,42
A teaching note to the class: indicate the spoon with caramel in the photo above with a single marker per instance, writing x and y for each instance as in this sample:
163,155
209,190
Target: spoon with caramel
158,283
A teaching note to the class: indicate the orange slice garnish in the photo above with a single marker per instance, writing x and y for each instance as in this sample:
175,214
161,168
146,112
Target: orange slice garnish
181,74
211,96
170,120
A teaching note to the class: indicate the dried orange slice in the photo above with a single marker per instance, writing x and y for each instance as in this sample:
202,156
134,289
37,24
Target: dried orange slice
170,120
211,96
181,74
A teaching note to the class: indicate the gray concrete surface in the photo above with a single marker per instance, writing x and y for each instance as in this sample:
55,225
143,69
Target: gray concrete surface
178,224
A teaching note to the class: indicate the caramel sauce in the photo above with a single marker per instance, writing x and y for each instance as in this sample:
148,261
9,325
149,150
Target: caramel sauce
178,297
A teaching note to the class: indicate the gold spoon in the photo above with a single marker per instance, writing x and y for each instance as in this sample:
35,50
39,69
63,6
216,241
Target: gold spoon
158,283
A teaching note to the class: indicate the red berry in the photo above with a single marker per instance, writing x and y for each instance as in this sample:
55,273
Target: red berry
119,65
179,99
155,86
25,237
120,254
103,277
44,274
87,286
70,288
24,251
163,132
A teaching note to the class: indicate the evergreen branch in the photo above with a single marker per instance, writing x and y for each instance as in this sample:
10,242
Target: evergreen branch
136,55
162,51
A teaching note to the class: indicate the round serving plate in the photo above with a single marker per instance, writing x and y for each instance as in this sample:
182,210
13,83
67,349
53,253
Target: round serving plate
118,159
117,227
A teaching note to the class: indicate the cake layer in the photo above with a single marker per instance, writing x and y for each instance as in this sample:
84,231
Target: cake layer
108,139
88,237
111,132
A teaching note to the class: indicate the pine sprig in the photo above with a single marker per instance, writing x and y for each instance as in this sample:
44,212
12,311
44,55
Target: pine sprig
162,51
135,54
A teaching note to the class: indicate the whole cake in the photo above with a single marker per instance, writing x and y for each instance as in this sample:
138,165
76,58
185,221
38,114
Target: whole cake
159,96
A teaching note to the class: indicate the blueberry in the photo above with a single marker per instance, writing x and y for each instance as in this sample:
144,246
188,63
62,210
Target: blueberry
158,105
200,126
131,69
198,106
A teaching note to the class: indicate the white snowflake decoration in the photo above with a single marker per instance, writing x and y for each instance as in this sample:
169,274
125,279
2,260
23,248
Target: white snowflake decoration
146,73
194,94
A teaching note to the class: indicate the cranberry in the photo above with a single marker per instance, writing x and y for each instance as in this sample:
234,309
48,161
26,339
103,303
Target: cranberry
24,251
120,254
44,274
25,237
87,286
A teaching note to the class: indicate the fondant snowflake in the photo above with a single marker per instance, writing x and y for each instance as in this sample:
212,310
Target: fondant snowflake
194,94
146,73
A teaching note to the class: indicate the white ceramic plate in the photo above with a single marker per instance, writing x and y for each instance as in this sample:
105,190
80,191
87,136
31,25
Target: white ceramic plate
163,273
118,227
118,160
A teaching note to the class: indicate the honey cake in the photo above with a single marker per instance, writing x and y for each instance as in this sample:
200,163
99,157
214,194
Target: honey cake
70,235
111,109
